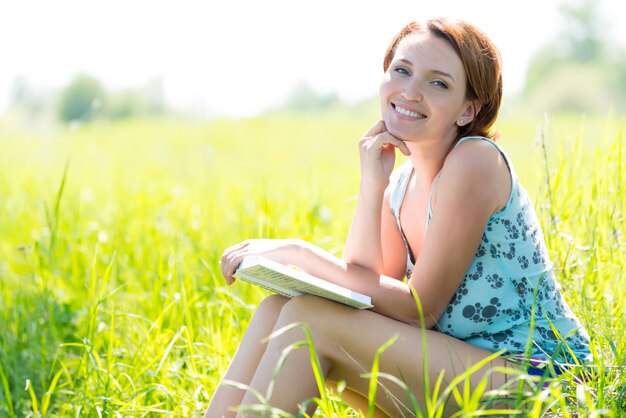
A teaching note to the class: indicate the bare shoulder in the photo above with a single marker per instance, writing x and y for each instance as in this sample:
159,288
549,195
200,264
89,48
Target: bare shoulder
476,169
475,157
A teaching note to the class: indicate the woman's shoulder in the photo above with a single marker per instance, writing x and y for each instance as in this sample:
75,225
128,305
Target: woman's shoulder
477,169
474,157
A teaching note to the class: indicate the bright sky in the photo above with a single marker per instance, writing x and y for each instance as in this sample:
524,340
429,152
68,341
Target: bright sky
235,58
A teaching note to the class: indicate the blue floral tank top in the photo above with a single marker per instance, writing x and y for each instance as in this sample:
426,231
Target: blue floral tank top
510,280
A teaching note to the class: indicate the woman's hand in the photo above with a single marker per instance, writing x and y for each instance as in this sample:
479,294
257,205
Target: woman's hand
378,156
280,250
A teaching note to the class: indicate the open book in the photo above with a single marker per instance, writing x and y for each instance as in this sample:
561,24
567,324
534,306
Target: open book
290,282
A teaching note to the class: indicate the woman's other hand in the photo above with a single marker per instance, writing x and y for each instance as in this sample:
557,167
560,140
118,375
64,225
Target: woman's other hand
280,250
378,156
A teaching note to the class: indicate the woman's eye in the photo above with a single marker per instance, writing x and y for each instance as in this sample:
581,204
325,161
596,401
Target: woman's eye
440,83
401,70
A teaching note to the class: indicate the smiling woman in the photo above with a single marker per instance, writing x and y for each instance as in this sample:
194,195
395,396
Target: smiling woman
448,247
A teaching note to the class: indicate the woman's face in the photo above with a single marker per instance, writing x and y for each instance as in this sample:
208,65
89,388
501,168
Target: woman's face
422,95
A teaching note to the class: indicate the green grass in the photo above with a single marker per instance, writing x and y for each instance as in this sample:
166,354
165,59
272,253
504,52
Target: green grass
112,301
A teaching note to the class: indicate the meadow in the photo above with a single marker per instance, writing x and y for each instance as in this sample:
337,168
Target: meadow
111,299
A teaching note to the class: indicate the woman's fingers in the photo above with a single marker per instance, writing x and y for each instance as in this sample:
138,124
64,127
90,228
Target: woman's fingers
233,261
377,136
377,149
376,129
233,256
230,260
378,142
225,267
387,138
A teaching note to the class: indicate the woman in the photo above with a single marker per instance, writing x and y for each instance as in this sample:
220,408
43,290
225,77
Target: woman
453,220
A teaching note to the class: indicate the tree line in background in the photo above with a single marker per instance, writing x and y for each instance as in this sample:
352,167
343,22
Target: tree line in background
84,98
580,70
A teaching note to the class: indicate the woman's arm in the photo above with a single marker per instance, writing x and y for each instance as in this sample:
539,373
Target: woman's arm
386,292
474,184
364,245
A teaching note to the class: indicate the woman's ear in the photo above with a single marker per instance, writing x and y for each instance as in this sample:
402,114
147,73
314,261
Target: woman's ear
471,110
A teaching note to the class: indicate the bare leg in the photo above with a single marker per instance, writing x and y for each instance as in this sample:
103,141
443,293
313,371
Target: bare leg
346,341
247,357
358,402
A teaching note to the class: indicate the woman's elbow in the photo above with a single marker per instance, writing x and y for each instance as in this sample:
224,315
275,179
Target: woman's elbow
421,322
419,317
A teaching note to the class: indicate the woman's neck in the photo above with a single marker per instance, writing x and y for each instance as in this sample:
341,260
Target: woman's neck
427,161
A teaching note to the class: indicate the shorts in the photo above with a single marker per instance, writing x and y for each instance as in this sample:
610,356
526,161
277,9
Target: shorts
544,368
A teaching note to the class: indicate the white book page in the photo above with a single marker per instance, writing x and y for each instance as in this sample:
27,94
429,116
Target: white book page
290,282
257,277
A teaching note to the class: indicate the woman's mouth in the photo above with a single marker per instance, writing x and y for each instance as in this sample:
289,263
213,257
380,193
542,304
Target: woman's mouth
407,112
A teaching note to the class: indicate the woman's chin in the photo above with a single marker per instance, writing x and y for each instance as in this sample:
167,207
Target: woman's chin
398,129
400,134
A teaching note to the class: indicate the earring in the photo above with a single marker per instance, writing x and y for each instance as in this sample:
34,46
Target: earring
461,122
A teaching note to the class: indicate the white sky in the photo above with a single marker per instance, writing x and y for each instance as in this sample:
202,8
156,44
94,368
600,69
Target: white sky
235,58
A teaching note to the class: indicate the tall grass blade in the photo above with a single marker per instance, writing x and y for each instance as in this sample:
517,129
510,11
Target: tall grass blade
8,401
53,219
373,383
45,400
34,403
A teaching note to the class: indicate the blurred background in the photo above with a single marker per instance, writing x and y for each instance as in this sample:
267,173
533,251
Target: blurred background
79,61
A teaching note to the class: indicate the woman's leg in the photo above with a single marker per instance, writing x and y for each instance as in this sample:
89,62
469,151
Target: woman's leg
346,341
357,401
247,357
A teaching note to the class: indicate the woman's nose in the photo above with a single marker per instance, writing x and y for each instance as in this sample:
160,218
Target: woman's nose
412,91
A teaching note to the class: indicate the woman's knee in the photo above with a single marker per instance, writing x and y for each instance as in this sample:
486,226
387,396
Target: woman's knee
311,311
273,303
270,308
305,308
320,315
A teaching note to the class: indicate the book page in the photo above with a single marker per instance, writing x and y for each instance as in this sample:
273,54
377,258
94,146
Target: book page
290,282
317,291
261,279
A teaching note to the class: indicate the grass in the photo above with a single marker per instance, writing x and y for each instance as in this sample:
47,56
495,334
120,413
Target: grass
112,302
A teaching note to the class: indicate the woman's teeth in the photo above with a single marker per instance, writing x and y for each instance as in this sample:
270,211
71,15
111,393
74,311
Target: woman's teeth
409,113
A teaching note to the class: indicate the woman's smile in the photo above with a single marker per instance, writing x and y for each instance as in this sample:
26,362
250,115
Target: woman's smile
407,113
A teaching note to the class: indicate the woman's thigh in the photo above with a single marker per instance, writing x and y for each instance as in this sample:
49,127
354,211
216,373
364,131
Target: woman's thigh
350,339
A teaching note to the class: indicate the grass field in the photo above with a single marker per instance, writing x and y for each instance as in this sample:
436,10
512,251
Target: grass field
111,299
